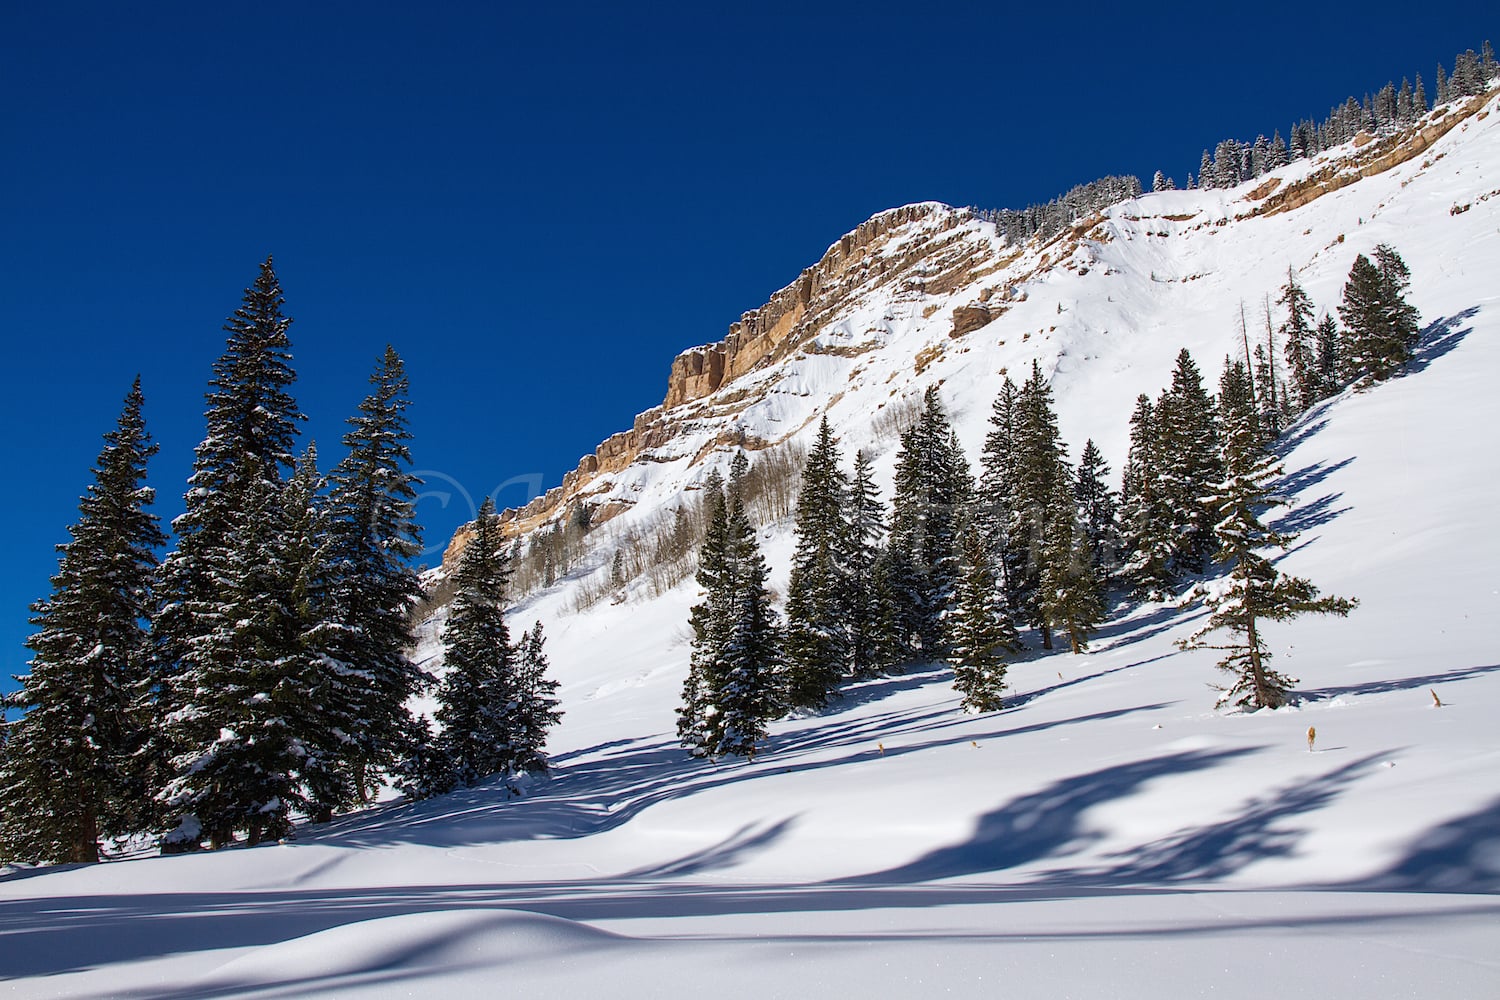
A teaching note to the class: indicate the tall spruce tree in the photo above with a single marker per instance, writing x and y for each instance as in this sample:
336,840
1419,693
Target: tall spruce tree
1255,591
1236,399
1098,510
479,695
735,673
818,594
997,499
1268,393
751,668
709,623
537,708
241,735
1041,478
69,773
1299,335
373,538
1330,365
982,631
1070,593
932,493
1380,325
1147,523
324,717
237,476
1190,464
869,646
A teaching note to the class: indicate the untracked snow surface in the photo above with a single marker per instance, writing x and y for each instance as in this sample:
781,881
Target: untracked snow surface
1108,835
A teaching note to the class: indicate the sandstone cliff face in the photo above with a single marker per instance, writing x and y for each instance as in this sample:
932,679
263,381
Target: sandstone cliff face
928,248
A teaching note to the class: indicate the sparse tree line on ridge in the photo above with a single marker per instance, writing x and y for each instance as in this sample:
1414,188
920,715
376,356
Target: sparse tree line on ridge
1234,161
261,670
960,564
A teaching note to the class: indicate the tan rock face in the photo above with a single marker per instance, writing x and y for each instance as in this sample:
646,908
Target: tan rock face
967,319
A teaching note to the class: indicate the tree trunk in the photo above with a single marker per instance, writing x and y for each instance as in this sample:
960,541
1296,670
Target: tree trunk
1264,696
85,848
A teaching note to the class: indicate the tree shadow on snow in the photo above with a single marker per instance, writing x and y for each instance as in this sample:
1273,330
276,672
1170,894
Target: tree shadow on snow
1256,833
1017,701
1127,628
1306,426
1313,514
1461,855
1310,475
1439,338
875,689
1046,823
1389,684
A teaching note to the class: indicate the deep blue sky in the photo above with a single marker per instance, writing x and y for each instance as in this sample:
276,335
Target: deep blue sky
540,204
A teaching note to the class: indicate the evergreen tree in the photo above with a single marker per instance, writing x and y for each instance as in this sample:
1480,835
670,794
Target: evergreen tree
1147,522
1266,401
739,468
750,672
1401,317
1329,362
1380,326
982,631
1041,475
479,696
1419,99
1070,592
1255,591
374,536
1097,510
1236,402
239,736
252,423
735,672
897,586
1190,464
537,708
709,622
817,636
69,774
1467,76
325,716
869,647
1299,334
997,499
932,493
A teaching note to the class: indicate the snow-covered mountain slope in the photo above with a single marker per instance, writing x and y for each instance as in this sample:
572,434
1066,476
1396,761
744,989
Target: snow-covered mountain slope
1108,834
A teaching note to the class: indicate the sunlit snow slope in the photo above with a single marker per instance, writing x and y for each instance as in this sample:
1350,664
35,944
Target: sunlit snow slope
1109,834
